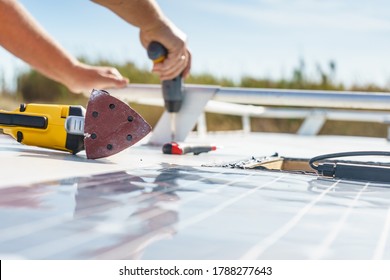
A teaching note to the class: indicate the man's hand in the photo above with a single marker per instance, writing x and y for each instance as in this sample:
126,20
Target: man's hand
178,60
86,77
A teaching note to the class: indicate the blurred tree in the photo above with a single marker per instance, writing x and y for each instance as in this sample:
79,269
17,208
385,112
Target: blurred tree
299,75
34,87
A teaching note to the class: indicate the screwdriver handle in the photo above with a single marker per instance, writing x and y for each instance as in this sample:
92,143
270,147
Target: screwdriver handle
172,89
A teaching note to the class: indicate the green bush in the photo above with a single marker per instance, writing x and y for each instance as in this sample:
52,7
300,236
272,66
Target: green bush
34,87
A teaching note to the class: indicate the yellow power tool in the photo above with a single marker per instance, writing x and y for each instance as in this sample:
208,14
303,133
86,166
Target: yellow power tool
43,125
107,126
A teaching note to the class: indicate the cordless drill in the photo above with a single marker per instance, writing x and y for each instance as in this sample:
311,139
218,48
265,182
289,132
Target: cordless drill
172,89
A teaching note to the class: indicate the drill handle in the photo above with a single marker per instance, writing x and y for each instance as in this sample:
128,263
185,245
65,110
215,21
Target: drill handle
157,52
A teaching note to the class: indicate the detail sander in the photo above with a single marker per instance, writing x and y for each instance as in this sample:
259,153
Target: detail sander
107,127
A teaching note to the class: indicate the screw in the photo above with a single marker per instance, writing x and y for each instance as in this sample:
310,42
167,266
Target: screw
109,147
93,136
112,106
129,137
95,114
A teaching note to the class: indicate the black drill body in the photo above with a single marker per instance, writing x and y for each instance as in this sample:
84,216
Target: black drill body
172,89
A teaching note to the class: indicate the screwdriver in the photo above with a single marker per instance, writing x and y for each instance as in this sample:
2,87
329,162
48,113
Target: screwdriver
174,148
172,89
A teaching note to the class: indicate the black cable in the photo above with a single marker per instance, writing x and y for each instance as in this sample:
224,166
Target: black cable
346,154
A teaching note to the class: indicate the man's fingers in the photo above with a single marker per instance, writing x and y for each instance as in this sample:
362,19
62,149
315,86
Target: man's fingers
173,66
172,70
187,69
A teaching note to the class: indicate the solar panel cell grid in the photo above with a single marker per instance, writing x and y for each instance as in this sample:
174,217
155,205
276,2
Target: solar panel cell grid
180,212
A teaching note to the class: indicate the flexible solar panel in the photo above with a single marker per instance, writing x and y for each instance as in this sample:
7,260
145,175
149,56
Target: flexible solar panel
170,211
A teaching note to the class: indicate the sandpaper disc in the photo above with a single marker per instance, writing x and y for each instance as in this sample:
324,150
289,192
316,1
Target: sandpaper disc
111,126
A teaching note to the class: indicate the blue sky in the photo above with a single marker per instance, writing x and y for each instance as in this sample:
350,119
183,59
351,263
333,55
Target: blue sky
261,38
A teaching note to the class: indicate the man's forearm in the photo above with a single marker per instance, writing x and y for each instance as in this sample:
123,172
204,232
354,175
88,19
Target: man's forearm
22,36
154,26
144,14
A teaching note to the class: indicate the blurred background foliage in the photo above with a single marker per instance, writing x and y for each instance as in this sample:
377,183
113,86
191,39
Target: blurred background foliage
34,87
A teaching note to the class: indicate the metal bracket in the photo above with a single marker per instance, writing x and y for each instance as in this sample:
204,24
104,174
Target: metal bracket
313,123
194,102
196,98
